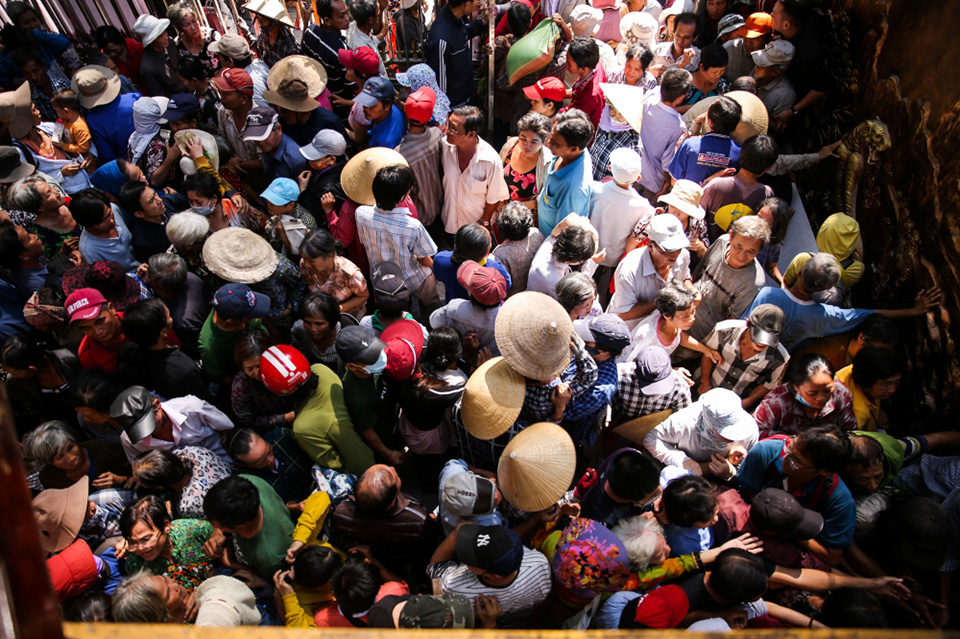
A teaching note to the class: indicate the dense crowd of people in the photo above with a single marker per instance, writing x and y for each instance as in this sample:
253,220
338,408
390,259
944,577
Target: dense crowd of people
289,341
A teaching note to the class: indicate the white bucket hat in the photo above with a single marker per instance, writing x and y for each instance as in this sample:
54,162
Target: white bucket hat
148,28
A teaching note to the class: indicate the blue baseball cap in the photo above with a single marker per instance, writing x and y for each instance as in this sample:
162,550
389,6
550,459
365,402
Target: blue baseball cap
237,301
376,89
281,192
180,105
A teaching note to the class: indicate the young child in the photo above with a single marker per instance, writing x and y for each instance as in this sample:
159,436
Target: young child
76,135
520,241
289,222
666,327
421,148
614,211
388,233
687,511
568,185
583,60
727,198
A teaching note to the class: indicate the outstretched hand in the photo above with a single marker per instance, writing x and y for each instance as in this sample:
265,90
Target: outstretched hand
926,299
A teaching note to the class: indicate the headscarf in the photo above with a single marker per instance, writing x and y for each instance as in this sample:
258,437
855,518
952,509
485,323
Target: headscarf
109,178
638,27
146,122
585,20
39,315
421,75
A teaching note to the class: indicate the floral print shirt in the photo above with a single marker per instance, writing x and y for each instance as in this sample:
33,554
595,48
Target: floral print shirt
190,565
207,57
208,469
344,282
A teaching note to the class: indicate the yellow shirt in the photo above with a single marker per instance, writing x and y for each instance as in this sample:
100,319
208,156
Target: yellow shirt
865,409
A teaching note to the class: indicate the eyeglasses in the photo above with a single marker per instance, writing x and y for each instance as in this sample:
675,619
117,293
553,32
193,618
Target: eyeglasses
138,544
791,458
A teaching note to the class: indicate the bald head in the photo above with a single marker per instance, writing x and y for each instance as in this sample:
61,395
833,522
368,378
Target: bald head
377,489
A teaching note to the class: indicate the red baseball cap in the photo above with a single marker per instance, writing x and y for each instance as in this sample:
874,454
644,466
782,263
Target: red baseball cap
364,60
486,285
419,105
404,340
549,88
84,304
234,80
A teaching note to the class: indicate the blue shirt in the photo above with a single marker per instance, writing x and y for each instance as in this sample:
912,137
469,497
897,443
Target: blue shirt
837,506
115,249
700,157
446,271
111,126
581,413
389,132
11,312
663,126
685,540
806,319
565,191
447,51
286,161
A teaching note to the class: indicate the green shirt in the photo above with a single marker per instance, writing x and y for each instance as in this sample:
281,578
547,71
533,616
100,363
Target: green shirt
324,430
190,565
369,405
216,348
265,551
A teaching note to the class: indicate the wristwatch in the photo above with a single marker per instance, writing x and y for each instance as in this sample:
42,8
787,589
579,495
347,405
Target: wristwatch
794,110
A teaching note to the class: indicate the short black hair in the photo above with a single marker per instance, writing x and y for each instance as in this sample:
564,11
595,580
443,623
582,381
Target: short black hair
150,510
108,34
799,10
320,304
362,11
633,475
802,367
355,585
192,68
237,442
689,500
725,114
574,245
585,52
20,353
687,17
88,207
828,447
866,451
514,221
95,389
66,99
21,57
10,245
204,184
673,298
472,118
456,3
518,18
873,363
738,576
575,127
472,242
641,52
758,153
143,321
852,608
129,196
714,56
675,83
391,184
315,566
232,502
879,329
324,8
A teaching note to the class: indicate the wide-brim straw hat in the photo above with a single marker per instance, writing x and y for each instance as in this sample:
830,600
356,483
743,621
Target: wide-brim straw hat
754,119
533,333
492,399
627,100
537,467
686,195
16,111
358,173
298,67
95,85
239,255
273,9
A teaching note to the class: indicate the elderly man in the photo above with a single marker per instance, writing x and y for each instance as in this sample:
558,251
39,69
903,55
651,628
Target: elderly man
807,319
281,155
757,33
710,437
644,271
275,457
773,86
400,532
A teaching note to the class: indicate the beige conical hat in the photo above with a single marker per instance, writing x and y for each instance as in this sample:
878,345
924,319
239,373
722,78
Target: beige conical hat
533,333
358,173
492,399
239,255
273,9
537,467
754,120
627,100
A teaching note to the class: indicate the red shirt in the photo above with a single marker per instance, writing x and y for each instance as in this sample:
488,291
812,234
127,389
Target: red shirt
131,68
588,97
93,354
503,27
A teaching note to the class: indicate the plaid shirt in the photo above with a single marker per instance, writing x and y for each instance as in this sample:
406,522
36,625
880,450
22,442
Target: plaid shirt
780,412
938,477
742,376
43,103
581,413
394,236
291,477
581,375
629,402
482,453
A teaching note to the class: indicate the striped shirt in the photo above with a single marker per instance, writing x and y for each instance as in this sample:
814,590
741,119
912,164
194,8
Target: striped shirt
422,152
530,588
742,376
394,236
322,45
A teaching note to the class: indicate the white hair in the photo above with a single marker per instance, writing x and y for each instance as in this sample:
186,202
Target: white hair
137,600
187,228
640,536
45,443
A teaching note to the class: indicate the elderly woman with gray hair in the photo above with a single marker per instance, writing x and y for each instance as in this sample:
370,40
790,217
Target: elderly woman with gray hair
187,232
37,203
63,460
185,294
194,39
219,601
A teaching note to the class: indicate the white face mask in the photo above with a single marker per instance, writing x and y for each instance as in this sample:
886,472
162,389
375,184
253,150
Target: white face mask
378,366
205,210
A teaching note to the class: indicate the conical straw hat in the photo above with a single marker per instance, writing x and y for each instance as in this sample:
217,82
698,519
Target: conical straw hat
492,399
754,120
239,255
358,173
537,467
533,333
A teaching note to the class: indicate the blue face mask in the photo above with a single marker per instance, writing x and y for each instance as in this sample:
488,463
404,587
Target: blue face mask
378,366
805,402
203,210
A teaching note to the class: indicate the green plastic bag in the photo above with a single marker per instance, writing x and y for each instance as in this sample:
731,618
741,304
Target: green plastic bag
533,51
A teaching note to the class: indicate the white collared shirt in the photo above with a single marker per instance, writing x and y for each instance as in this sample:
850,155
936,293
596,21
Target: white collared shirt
467,192
194,423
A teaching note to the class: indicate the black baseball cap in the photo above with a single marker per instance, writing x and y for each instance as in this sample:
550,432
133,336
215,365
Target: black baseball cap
778,511
390,291
133,410
495,549
607,331
356,344
180,105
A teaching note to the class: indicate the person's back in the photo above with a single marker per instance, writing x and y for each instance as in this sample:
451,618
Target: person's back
699,157
616,207
111,126
422,152
659,141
